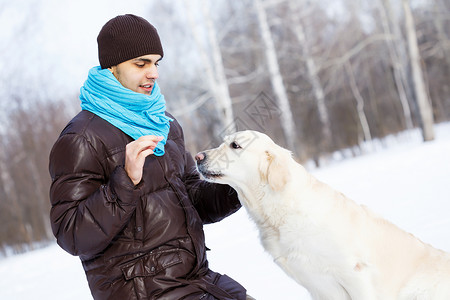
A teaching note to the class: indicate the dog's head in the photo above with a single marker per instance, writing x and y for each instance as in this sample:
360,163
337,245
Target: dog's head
246,158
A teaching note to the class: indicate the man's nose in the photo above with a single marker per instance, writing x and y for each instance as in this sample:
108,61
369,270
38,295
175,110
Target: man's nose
152,72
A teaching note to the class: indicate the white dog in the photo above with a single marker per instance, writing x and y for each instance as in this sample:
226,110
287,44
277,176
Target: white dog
332,246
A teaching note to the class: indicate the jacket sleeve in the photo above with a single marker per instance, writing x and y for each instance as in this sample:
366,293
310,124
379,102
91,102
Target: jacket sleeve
87,211
213,201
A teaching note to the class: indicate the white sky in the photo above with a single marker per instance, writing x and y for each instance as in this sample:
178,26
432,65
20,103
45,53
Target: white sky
59,45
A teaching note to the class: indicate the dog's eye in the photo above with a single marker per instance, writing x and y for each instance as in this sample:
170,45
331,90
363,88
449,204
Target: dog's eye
235,145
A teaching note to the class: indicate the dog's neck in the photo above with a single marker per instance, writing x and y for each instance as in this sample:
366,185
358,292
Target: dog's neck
255,204
248,197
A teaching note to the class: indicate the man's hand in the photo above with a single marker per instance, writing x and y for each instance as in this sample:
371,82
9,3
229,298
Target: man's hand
135,154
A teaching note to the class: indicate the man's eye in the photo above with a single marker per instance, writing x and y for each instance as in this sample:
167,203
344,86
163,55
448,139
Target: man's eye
140,65
235,145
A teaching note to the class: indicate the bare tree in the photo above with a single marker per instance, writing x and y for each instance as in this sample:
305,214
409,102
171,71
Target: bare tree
359,103
425,110
214,68
313,76
396,50
439,21
287,119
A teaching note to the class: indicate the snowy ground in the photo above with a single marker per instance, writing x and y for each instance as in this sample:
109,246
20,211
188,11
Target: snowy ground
406,183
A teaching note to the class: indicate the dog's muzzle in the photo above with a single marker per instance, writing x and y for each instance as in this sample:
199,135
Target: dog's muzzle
202,166
200,157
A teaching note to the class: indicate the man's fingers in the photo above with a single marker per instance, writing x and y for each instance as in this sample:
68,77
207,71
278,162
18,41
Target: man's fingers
150,138
147,152
143,143
135,154
148,141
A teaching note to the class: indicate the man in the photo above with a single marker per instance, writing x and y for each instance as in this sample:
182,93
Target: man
125,195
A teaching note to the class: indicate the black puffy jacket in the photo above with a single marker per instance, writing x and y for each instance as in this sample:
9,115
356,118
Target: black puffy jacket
136,242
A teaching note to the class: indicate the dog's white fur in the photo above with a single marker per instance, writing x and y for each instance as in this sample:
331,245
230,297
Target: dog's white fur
332,246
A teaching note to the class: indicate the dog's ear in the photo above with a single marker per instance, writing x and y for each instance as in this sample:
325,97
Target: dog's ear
274,168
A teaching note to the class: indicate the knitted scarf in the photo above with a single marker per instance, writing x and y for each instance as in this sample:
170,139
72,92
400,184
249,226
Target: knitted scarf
134,113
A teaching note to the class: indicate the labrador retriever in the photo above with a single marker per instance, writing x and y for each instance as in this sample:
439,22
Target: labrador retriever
335,248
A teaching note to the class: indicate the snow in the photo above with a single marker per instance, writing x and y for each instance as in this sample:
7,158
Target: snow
407,183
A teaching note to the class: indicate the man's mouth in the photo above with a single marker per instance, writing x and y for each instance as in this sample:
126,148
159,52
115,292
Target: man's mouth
146,87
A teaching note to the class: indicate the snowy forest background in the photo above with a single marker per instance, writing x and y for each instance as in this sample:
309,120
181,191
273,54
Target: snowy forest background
319,77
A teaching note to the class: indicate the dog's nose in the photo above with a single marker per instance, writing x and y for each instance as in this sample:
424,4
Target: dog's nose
200,156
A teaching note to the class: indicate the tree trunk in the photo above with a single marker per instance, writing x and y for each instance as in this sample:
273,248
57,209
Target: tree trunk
287,119
396,49
222,94
23,232
215,73
439,23
359,103
319,94
425,108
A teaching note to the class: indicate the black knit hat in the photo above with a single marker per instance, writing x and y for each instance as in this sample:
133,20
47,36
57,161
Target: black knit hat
126,37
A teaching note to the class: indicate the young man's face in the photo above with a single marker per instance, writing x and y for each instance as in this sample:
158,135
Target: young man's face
138,74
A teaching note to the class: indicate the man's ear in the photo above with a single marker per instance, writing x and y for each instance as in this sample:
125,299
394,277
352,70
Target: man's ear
113,70
274,168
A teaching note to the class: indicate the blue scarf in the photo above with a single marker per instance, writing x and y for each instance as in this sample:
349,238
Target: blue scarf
134,113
